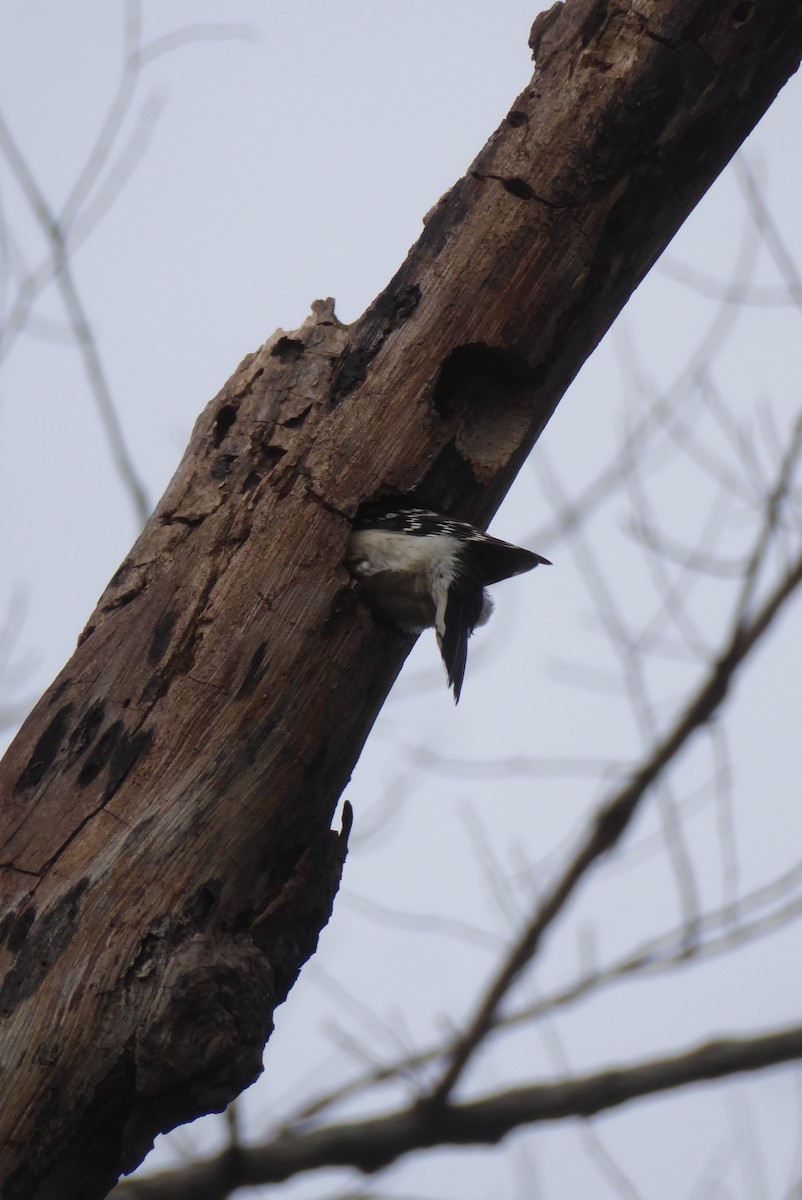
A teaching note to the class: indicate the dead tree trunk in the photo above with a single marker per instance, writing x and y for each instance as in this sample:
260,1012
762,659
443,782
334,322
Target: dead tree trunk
167,860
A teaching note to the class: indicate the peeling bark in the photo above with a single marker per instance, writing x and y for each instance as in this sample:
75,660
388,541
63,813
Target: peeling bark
167,857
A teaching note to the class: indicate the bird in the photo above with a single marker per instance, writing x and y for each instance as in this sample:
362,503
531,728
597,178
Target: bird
420,569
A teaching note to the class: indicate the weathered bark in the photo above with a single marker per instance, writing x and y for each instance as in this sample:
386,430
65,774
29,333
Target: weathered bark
167,858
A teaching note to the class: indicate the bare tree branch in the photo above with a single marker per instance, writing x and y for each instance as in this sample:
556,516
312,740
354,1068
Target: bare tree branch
612,820
80,325
89,199
373,1144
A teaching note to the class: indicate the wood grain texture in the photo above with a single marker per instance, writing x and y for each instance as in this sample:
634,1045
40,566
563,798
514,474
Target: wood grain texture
166,856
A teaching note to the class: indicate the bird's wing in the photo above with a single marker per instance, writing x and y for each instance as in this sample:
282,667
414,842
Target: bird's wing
495,560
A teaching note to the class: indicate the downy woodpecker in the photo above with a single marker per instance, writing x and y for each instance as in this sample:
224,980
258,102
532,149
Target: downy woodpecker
420,569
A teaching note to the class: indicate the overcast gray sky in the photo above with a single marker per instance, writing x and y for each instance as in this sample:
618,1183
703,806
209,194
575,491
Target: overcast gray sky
297,162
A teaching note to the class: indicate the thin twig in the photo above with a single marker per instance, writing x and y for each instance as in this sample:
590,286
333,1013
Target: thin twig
768,227
80,324
609,825
658,956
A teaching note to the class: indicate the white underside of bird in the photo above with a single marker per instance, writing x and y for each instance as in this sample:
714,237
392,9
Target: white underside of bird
412,576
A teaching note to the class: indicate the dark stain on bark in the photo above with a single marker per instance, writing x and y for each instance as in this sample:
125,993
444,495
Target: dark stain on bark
351,371
87,728
394,309
100,753
19,928
45,750
45,940
161,636
119,751
254,736
255,672
157,686
6,924
127,751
